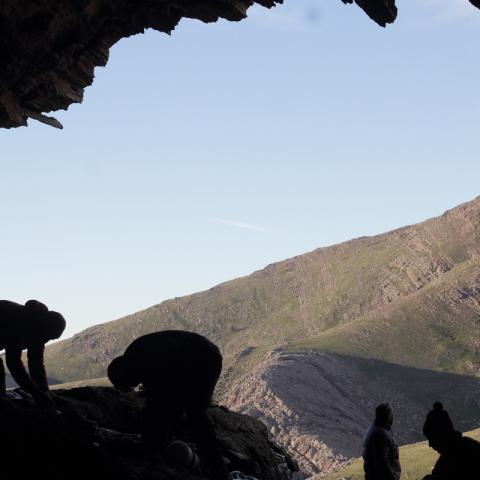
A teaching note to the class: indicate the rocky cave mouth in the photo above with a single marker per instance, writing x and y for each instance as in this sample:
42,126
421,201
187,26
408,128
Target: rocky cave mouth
49,49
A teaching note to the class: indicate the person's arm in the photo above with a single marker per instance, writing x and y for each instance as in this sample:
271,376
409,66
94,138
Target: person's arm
36,366
13,354
208,446
384,463
3,387
392,465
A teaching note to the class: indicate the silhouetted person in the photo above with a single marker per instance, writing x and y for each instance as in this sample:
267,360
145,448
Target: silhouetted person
459,456
29,327
380,455
178,371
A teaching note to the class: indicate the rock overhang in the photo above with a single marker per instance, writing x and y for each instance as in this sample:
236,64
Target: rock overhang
49,49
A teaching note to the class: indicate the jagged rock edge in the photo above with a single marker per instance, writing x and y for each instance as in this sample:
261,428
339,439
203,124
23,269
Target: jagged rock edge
49,49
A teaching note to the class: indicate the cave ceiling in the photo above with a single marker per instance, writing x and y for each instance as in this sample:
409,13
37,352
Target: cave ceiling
49,48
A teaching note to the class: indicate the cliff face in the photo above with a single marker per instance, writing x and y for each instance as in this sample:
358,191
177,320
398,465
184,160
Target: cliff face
94,435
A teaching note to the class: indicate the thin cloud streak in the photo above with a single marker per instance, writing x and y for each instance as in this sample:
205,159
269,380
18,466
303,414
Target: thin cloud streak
242,225
282,19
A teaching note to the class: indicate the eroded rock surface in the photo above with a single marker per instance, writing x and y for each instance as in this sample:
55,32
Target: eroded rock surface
49,49
319,405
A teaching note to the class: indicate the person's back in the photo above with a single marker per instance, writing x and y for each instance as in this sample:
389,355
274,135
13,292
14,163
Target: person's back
380,455
459,456
185,364
12,319
178,371
460,462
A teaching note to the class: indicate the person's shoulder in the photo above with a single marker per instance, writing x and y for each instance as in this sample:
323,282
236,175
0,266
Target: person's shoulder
378,433
471,444
10,306
166,343
152,341
170,336
12,318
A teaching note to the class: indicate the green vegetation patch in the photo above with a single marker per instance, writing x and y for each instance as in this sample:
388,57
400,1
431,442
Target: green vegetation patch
417,460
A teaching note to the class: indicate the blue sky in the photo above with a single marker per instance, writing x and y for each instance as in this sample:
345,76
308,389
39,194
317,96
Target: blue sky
206,155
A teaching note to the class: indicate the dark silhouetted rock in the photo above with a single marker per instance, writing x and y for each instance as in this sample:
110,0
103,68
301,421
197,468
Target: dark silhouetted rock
95,435
380,11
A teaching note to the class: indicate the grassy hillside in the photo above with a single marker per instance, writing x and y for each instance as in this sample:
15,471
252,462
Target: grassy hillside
410,296
436,327
417,460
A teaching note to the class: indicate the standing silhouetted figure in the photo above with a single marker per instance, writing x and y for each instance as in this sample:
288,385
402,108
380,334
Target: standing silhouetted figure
459,456
380,455
29,327
178,371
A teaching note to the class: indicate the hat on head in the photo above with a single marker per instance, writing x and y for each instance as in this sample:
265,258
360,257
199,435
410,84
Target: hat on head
383,414
54,325
438,423
121,374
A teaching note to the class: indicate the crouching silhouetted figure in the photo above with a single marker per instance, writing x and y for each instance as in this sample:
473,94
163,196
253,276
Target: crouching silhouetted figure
459,456
178,371
28,327
380,455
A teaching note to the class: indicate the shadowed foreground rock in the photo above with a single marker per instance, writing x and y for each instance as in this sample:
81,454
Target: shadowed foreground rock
96,437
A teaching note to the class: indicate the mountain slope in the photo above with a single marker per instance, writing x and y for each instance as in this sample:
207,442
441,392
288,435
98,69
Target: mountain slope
437,327
325,294
312,343
319,405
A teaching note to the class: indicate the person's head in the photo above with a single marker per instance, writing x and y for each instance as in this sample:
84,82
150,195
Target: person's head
53,326
45,325
121,374
439,429
384,415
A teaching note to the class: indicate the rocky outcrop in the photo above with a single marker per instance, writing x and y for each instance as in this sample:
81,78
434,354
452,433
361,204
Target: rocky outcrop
94,434
50,48
380,11
319,406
